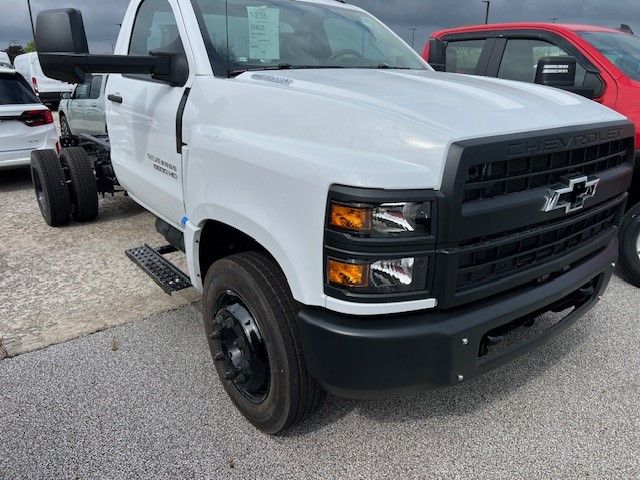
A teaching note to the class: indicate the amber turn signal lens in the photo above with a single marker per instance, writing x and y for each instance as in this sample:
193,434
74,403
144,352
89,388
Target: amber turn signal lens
347,274
350,218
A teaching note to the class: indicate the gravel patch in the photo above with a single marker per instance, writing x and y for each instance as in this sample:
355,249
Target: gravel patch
60,283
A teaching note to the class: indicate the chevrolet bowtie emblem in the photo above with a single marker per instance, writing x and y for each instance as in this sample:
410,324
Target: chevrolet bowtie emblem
573,196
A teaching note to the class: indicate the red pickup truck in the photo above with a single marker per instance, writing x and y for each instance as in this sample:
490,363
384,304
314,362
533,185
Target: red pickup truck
600,63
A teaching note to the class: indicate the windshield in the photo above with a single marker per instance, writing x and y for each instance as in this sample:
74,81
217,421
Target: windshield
622,49
272,34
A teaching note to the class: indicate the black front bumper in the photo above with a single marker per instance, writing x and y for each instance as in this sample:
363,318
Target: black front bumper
364,357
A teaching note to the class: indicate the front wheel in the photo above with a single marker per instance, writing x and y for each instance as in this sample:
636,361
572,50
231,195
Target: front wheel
630,245
250,319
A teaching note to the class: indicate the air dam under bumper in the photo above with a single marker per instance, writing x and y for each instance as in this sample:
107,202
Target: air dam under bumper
370,357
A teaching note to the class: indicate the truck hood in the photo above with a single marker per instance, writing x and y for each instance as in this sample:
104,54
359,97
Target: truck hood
383,128
458,106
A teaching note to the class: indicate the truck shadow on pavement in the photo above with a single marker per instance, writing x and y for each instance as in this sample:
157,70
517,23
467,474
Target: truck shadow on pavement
14,180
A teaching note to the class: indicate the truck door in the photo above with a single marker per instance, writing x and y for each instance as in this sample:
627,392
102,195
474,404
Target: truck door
76,107
517,53
94,107
142,113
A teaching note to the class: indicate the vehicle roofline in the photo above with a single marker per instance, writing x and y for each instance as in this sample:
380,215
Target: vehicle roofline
525,25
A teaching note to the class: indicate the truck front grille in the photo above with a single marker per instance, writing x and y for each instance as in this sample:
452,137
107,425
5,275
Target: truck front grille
485,261
497,178
495,230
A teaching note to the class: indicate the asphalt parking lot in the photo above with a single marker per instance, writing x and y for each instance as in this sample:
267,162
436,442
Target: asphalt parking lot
153,408
140,399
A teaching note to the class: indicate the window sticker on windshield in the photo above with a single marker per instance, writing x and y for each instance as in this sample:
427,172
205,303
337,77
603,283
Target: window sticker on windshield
264,33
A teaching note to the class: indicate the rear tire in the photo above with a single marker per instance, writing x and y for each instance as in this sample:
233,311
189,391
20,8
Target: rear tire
248,292
65,129
630,245
51,188
84,190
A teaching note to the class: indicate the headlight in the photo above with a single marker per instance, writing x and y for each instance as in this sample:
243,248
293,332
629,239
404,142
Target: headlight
389,275
379,244
398,218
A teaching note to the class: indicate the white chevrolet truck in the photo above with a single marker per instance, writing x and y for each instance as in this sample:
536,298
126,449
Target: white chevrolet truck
357,222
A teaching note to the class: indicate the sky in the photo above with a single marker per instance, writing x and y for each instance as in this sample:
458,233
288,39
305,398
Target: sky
103,16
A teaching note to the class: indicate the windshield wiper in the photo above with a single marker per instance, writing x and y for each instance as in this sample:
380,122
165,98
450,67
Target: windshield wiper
386,66
282,66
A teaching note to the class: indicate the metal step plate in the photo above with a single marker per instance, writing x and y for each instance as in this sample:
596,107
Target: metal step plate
168,277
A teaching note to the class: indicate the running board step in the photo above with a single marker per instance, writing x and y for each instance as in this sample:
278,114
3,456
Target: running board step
168,277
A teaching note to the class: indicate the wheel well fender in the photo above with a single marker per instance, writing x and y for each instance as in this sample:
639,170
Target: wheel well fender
213,240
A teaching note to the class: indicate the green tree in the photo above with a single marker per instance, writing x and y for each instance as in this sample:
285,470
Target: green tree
30,47
14,50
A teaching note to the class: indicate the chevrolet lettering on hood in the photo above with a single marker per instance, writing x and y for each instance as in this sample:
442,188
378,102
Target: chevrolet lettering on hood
554,144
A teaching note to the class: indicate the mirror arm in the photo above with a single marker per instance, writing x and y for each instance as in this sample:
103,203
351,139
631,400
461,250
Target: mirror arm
82,64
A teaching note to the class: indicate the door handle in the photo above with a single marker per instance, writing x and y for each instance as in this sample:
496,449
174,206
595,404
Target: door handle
114,98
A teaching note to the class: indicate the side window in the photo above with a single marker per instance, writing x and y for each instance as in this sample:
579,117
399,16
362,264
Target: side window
463,56
96,86
82,91
155,27
521,56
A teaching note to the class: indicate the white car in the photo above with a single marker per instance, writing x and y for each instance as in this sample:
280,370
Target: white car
25,123
48,90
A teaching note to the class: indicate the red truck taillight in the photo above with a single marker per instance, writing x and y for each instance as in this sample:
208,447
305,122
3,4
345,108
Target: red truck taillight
36,118
34,84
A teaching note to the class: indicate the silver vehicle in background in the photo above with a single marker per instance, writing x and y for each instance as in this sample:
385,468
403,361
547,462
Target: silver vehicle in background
4,60
82,112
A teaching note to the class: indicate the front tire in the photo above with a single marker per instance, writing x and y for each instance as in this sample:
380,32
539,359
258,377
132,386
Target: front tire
50,187
630,245
250,319
84,188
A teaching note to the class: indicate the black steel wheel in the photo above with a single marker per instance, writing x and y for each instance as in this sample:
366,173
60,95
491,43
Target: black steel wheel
250,319
242,353
50,185
630,245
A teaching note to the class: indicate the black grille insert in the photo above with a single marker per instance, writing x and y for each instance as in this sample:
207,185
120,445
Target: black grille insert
494,179
490,261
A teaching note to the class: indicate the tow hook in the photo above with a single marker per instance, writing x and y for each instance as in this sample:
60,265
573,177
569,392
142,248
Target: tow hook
489,341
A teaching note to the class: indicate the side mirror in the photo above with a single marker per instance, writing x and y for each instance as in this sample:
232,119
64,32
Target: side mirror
66,96
556,71
560,72
63,51
178,65
437,54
